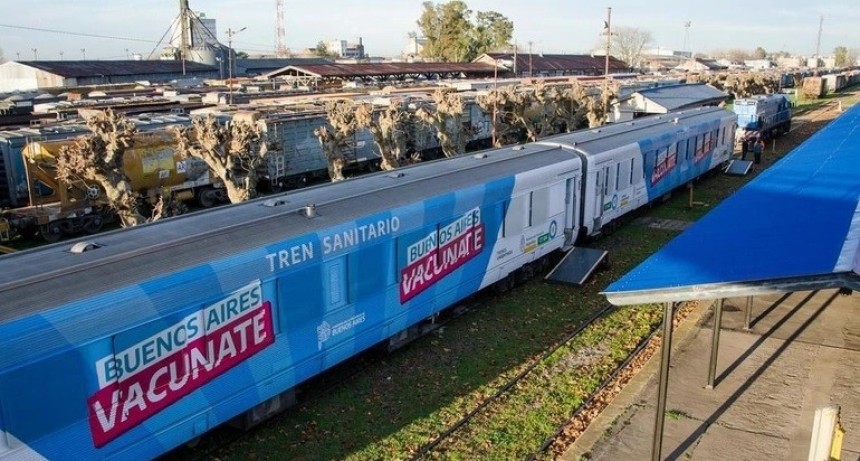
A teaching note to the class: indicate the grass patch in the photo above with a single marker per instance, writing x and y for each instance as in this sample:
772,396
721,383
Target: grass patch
676,415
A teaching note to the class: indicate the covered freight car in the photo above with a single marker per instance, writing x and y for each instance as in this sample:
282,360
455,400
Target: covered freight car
57,208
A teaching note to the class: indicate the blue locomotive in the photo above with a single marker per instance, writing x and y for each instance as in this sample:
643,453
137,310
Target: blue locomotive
135,341
763,116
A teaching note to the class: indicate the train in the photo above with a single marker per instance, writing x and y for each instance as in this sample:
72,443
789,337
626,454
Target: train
127,344
38,204
764,116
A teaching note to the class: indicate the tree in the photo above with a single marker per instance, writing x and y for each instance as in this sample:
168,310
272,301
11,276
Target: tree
498,104
759,53
447,120
492,31
453,36
572,106
628,43
343,123
532,108
234,152
842,57
99,158
322,50
389,128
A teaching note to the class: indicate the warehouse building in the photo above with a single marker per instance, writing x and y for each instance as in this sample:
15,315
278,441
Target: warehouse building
552,65
32,75
664,99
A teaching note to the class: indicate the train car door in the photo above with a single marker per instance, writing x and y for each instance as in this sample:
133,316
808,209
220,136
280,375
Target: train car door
602,190
571,204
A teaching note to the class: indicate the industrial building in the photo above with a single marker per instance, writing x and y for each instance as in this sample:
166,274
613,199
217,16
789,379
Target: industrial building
382,72
32,75
552,65
663,99
261,66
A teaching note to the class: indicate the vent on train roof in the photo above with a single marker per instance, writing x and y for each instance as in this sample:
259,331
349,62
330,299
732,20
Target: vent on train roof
518,147
480,156
396,174
273,202
82,247
309,211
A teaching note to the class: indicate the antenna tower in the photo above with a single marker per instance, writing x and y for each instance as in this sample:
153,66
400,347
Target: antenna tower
281,47
818,42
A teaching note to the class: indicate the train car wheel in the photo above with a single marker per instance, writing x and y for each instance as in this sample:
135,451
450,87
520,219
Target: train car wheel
50,232
93,224
207,197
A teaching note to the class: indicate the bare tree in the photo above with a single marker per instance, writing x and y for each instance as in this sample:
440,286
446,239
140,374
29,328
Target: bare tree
447,120
744,85
572,106
99,158
389,130
343,123
234,151
533,108
497,104
628,44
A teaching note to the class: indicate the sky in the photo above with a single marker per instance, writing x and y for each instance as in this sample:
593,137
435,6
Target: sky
553,26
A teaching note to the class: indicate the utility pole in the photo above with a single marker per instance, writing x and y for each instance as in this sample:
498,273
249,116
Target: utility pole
530,59
608,29
281,46
35,54
495,96
84,53
818,42
516,47
61,55
185,25
687,36
230,34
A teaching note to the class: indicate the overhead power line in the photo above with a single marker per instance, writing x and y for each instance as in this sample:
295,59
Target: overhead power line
79,34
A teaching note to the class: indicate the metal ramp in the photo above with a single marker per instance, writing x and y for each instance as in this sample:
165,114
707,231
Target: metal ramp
739,167
576,266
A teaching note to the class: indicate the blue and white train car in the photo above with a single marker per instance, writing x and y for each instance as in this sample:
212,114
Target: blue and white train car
128,345
630,164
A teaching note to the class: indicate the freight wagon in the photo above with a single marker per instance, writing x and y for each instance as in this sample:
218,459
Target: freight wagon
127,344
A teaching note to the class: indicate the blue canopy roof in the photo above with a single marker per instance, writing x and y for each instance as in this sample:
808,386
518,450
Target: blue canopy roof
796,226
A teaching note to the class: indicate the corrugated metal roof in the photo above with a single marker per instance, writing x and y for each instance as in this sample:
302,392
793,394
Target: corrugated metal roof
796,226
393,68
572,63
277,63
675,97
79,69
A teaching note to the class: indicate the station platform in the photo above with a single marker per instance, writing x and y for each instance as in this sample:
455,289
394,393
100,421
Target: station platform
799,354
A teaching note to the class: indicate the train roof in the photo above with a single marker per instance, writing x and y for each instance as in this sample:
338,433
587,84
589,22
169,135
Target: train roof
598,140
36,279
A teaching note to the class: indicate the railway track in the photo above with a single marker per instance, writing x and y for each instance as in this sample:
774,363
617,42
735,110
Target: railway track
446,434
